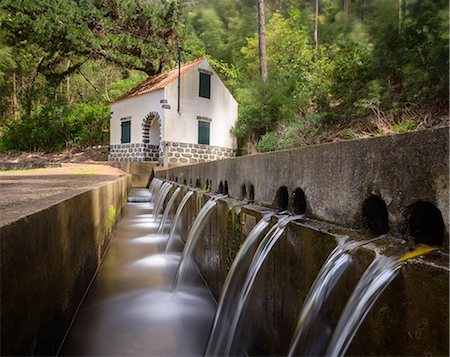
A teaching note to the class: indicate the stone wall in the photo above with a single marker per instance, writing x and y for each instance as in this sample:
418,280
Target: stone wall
48,259
183,153
134,152
177,153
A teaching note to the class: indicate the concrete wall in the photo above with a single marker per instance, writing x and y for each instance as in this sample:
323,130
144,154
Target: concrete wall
411,318
338,177
47,261
141,172
221,109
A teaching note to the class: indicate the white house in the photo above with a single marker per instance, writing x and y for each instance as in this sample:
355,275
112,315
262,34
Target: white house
157,122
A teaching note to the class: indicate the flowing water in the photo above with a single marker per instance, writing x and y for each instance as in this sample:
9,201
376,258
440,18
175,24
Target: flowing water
232,286
161,198
139,305
313,331
230,340
373,282
168,209
171,238
130,308
192,240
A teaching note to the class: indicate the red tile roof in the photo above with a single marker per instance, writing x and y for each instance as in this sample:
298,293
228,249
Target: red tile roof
159,81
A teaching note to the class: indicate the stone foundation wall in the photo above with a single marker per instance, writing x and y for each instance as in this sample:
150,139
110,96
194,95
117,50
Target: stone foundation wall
183,153
134,152
178,153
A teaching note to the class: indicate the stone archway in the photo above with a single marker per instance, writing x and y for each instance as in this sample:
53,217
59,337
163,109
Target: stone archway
151,151
146,124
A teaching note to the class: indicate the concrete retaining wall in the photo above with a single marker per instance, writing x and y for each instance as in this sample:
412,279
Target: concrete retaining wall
411,318
141,172
337,178
47,261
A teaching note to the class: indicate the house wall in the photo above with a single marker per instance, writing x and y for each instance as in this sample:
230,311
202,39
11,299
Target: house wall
137,108
221,109
179,131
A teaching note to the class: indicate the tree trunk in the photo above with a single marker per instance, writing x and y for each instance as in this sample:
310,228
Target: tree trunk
347,4
316,24
262,41
400,15
14,104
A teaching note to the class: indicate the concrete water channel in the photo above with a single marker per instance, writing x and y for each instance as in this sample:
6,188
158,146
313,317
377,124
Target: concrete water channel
394,189
130,308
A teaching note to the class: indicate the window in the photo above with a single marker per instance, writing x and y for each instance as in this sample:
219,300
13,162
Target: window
205,85
203,132
126,132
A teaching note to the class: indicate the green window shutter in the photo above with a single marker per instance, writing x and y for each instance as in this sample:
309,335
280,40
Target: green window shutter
126,132
203,132
205,85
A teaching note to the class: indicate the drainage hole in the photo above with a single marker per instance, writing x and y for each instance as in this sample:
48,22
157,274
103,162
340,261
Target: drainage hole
251,193
299,201
282,199
243,191
426,224
375,215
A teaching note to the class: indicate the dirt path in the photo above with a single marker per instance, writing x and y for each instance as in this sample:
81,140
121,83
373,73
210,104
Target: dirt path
24,190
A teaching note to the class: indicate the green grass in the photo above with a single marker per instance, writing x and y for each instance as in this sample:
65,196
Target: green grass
405,126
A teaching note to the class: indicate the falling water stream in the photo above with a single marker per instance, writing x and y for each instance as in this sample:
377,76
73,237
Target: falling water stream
167,210
191,242
166,187
183,202
141,302
373,282
232,286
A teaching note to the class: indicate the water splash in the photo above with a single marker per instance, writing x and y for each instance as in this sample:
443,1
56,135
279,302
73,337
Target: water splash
167,210
180,207
373,282
191,241
232,285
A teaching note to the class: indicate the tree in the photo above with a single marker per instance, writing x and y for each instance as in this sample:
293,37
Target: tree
262,41
133,34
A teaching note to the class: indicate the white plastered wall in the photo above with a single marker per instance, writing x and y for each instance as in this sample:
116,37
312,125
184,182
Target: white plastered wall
137,108
221,109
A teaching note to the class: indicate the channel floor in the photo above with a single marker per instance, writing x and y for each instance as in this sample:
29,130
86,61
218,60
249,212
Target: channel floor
130,309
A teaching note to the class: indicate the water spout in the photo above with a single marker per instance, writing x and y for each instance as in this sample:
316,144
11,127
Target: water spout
232,285
191,241
167,210
373,282
180,207
165,189
228,343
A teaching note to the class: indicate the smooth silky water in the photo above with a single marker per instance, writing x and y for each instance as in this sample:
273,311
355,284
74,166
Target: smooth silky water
130,308
142,304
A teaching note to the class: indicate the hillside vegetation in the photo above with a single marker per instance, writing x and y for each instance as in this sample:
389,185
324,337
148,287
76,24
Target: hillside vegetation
375,67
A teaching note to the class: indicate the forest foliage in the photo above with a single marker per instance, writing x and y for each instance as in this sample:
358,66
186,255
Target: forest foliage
61,62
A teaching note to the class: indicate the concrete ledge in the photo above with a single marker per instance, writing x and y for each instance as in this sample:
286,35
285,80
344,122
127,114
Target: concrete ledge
47,261
141,171
337,178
